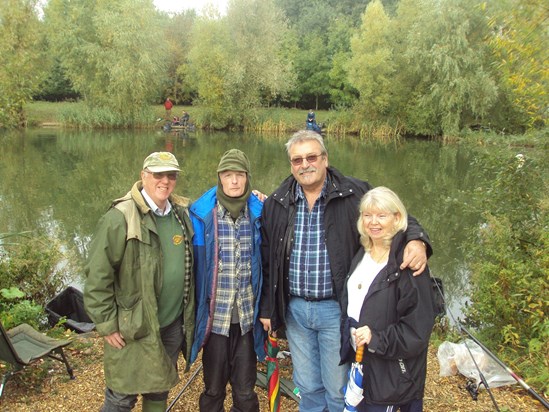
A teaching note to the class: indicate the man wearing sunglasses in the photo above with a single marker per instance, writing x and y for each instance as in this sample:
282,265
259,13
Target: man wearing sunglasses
139,288
309,238
226,220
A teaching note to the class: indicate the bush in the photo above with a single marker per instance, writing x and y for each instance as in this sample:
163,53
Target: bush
15,310
33,270
509,263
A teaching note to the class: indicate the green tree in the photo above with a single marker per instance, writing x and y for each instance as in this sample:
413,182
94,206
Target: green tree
428,67
56,86
342,93
371,68
446,51
207,67
177,32
519,41
22,61
237,62
113,52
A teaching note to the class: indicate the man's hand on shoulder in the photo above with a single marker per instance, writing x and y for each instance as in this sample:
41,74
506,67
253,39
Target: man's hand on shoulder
415,257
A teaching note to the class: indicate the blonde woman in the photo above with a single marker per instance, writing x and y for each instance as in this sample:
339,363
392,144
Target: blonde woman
387,309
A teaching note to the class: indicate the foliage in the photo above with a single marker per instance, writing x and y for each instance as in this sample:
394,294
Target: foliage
236,62
178,40
424,67
112,53
371,68
35,267
519,42
84,116
22,59
14,310
56,87
509,262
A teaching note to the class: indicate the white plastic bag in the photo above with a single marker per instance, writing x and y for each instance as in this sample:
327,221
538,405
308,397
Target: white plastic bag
454,358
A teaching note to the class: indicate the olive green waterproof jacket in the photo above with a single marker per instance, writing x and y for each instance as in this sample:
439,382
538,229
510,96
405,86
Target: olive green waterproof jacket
123,282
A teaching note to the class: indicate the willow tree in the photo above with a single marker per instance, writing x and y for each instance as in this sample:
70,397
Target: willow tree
112,52
428,66
372,67
519,41
237,62
22,61
446,52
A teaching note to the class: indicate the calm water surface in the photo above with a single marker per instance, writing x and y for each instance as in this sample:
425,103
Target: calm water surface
61,182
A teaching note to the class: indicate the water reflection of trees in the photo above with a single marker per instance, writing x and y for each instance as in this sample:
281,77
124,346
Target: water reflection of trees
69,178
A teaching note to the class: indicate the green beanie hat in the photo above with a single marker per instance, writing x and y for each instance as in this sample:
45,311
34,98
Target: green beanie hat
234,160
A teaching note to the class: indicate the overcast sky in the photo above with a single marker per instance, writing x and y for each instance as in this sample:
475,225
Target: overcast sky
180,5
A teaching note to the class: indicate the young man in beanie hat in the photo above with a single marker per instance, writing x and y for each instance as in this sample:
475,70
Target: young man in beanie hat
139,288
226,221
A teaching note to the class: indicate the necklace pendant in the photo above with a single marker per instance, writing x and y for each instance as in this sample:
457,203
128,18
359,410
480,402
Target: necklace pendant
360,285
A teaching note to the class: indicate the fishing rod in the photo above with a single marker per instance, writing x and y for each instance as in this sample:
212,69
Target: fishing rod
489,353
472,391
184,387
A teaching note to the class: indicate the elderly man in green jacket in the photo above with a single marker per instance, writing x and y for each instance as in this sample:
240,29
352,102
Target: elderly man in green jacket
139,288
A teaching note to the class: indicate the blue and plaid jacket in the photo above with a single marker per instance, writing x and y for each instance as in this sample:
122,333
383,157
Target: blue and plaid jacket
205,265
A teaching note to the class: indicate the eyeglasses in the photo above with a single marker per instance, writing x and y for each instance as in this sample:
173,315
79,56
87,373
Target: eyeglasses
298,161
162,175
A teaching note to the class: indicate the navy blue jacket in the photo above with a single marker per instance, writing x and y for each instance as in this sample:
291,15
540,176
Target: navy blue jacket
400,311
204,245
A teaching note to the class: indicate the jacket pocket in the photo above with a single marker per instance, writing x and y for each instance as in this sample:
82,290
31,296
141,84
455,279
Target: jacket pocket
388,380
131,318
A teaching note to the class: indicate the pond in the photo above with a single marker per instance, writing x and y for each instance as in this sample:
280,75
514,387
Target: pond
60,182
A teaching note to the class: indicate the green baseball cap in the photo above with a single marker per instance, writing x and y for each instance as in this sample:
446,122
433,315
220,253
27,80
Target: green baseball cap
158,162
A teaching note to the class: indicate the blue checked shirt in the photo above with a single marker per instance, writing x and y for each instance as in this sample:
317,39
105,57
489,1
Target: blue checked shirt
310,274
234,278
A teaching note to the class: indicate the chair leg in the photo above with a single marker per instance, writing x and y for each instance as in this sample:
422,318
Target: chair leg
63,359
5,378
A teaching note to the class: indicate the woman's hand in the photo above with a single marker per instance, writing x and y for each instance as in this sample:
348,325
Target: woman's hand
363,336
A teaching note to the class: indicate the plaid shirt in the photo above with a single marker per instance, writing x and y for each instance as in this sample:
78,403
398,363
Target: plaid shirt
234,272
310,274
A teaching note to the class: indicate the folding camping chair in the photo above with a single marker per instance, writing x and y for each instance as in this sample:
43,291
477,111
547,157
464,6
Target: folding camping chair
23,345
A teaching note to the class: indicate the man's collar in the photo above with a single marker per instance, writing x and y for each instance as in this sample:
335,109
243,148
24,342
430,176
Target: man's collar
154,207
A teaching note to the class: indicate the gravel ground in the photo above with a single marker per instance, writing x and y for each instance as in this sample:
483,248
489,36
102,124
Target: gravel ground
45,387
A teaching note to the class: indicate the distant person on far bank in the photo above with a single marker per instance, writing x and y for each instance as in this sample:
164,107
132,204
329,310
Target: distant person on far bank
184,119
168,106
311,122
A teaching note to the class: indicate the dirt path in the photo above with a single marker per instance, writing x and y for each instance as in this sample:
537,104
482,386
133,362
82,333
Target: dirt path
53,391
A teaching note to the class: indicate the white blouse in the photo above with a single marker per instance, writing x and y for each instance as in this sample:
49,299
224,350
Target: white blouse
359,282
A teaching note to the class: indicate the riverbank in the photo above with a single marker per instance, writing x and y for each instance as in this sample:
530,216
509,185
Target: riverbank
272,120
52,391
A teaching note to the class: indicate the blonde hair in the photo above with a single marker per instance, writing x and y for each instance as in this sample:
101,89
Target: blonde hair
381,198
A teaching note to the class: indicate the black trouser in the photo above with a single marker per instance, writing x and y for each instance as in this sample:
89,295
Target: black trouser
229,359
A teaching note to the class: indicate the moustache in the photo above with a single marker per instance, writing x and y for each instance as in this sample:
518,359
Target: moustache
309,169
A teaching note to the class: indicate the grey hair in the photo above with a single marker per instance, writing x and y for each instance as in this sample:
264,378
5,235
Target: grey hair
305,136
384,199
